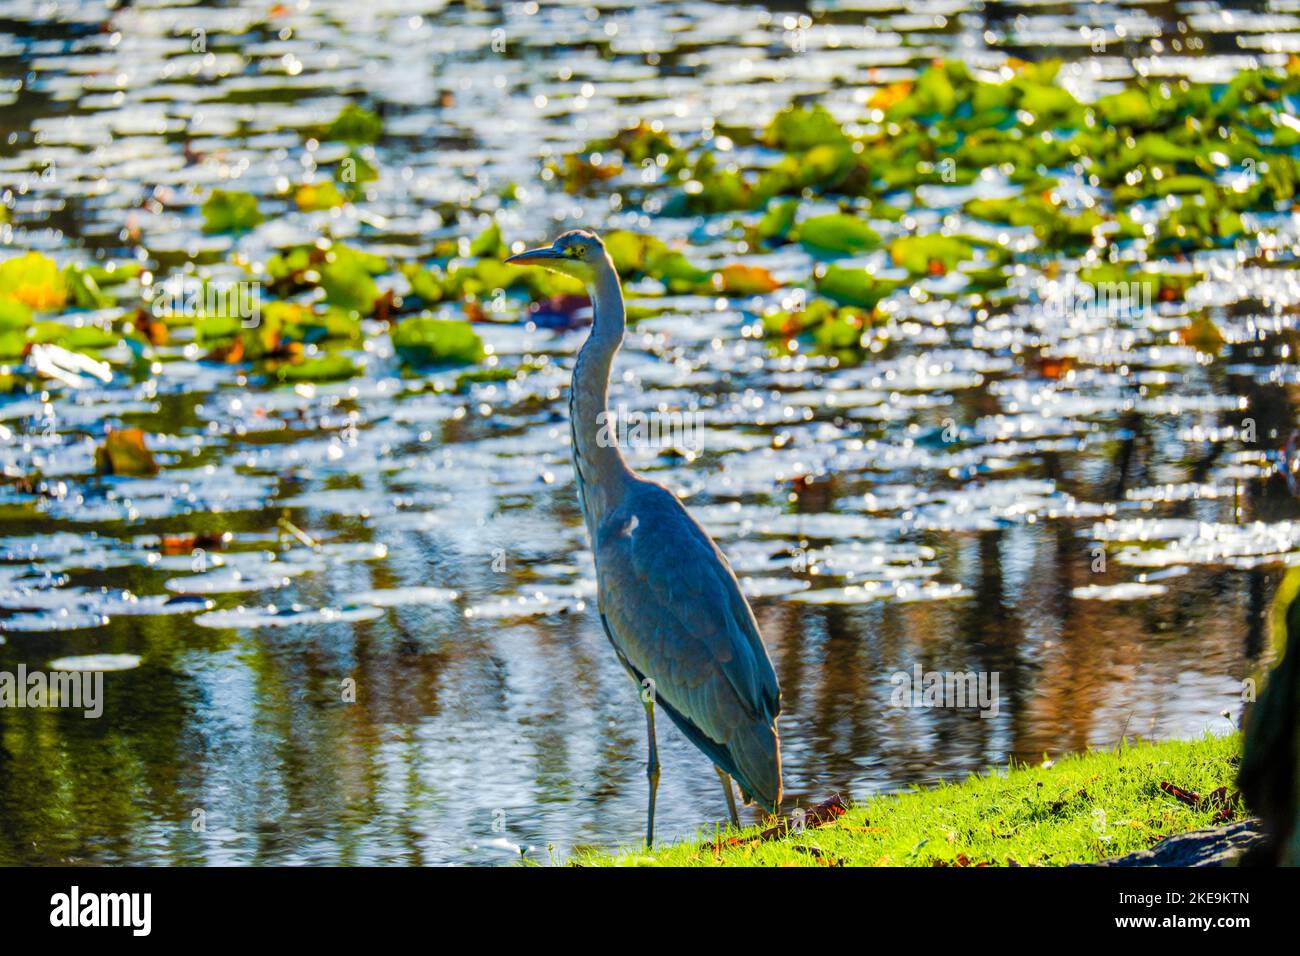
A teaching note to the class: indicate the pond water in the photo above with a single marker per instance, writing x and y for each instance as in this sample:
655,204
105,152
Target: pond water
1106,542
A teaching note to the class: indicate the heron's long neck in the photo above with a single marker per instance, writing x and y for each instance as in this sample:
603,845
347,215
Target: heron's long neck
601,471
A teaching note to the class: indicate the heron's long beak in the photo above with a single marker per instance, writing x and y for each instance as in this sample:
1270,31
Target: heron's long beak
529,256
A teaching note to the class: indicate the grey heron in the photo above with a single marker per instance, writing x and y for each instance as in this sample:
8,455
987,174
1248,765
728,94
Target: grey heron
669,601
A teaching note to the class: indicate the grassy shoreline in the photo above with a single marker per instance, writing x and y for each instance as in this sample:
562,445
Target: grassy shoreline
1080,809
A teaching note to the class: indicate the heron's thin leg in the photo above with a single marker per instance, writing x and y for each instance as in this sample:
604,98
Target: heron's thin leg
731,797
652,772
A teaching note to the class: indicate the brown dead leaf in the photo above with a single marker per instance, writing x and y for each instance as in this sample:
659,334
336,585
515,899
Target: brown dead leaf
1219,797
155,332
231,354
1227,803
188,543
1054,367
825,812
386,306
1189,797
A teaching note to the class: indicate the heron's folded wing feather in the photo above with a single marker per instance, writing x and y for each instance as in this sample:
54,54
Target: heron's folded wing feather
677,614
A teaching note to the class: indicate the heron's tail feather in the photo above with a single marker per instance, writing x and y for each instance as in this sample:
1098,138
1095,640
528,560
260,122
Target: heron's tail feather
756,755
752,756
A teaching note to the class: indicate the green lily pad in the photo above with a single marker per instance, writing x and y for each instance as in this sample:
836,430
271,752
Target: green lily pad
14,315
346,278
229,211
778,220
633,253
1126,108
325,368
355,124
849,286
928,255
488,243
838,233
424,341
83,289
797,128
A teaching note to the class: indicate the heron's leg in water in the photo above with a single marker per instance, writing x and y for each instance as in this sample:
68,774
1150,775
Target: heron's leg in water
652,772
731,797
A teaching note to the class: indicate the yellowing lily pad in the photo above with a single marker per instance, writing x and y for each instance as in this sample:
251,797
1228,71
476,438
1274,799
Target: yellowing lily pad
124,453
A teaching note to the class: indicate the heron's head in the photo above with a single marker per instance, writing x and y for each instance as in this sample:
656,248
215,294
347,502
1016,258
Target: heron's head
578,254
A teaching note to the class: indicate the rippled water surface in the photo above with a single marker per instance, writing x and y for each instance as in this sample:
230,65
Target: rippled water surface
1105,541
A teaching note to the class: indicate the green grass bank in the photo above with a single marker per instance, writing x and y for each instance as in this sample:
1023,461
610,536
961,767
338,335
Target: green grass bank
1078,809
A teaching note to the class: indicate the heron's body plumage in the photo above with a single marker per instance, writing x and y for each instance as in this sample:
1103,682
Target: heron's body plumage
675,613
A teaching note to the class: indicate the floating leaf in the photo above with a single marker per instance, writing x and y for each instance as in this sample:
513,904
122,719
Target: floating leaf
423,341
489,244
33,280
354,170
634,253
930,254
83,290
838,232
1202,334
426,285
14,315
346,279
680,274
778,220
851,286
740,279
578,172
124,453
355,124
112,273
228,211
840,331
313,197
800,128
325,368
75,338
1127,108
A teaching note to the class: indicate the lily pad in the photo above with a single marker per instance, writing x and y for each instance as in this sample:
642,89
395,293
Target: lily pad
124,452
422,342
230,211
838,233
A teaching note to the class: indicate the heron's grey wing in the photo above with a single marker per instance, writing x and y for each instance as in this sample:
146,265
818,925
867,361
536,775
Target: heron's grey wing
676,613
